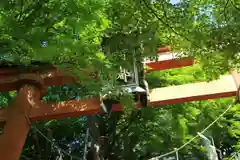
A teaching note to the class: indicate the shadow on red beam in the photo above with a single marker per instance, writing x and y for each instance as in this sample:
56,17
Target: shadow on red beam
7,71
2,114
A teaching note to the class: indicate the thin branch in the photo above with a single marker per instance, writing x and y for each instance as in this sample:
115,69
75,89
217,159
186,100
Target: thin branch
25,157
225,7
162,21
53,143
35,136
234,5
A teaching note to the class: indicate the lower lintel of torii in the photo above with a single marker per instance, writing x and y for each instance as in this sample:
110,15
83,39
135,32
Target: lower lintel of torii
226,86
223,87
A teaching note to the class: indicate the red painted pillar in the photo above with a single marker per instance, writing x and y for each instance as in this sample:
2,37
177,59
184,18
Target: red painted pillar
17,126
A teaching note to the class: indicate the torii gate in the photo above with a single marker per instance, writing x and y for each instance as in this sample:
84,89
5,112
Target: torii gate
31,86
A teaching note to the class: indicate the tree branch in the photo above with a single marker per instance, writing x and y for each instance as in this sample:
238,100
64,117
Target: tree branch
162,21
234,5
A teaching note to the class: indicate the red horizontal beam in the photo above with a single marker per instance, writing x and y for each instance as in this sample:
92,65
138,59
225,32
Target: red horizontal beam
53,77
223,87
168,64
9,76
168,60
163,50
10,70
10,80
50,78
226,86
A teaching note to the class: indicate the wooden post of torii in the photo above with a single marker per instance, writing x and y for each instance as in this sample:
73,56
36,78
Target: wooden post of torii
31,87
17,124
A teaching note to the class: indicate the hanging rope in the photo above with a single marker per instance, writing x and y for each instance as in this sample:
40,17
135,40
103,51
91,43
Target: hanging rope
235,155
177,158
60,150
86,144
204,130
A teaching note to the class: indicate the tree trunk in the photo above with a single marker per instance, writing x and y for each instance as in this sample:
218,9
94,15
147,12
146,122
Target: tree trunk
48,146
95,152
39,151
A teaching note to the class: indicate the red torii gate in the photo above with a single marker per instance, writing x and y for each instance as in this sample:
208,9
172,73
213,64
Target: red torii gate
28,106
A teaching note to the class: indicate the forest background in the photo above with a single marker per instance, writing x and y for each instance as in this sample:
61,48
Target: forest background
94,35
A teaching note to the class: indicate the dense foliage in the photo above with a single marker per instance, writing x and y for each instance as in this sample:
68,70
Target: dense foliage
99,35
